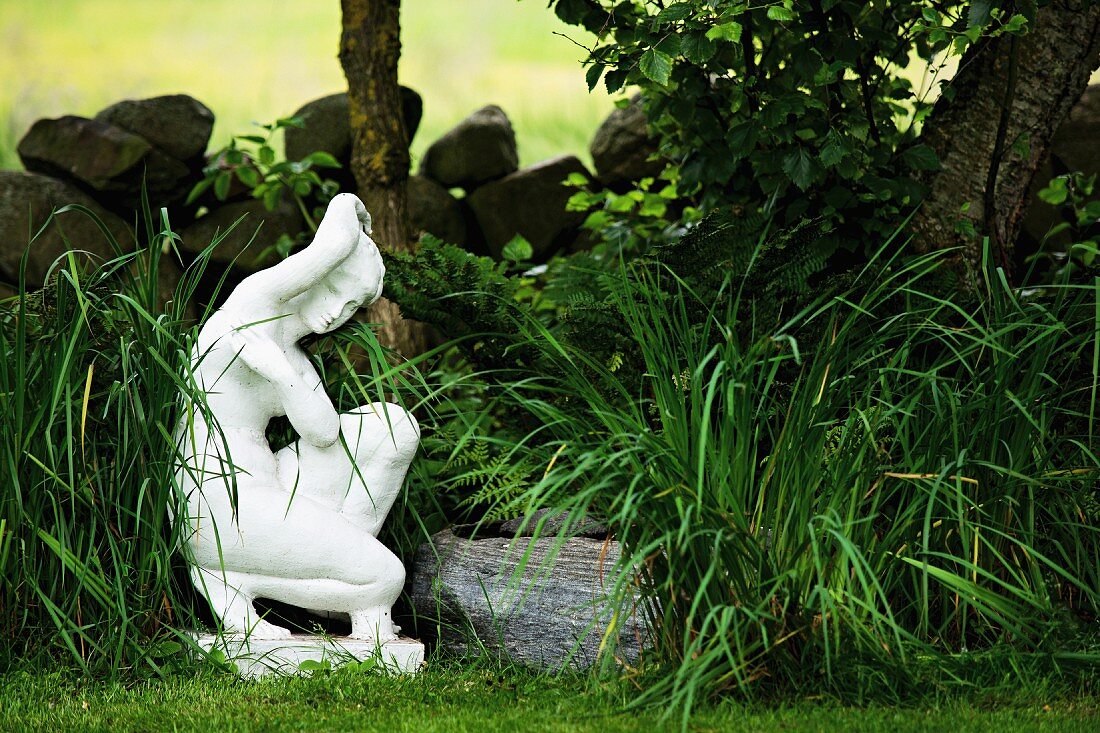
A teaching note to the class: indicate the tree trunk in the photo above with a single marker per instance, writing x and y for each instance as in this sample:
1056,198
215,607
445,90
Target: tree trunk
370,46
992,128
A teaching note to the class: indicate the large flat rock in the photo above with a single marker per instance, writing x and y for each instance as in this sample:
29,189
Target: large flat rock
555,616
623,150
106,160
531,203
327,125
479,149
26,202
243,244
432,209
177,124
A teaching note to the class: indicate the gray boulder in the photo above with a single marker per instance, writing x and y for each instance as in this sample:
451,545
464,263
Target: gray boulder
530,202
246,242
481,148
104,158
554,617
434,210
622,146
176,124
1073,148
549,523
26,201
327,125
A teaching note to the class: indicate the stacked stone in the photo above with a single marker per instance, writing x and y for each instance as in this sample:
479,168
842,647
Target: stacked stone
478,159
500,201
469,190
100,164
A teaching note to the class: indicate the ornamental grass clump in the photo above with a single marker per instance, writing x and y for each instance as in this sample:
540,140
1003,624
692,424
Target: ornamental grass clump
90,370
882,482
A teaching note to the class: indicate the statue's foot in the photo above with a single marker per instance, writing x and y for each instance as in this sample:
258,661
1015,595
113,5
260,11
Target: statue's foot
373,624
230,599
261,629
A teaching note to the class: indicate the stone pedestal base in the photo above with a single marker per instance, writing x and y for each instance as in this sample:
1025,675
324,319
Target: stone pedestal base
259,657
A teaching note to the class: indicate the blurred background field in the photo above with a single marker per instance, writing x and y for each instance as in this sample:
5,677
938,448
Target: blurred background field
255,60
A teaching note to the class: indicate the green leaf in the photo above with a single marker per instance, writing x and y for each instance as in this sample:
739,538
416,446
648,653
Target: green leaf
290,122
697,48
249,176
597,220
802,169
592,76
656,66
271,197
833,149
322,160
780,13
921,158
674,12
198,189
1022,145
742,139
258,139
1055,192
221,185
581,201
726,32
165,648
613,80
267,155
653,205
978,14
1016,24
571,11
517,250
576,179
620,203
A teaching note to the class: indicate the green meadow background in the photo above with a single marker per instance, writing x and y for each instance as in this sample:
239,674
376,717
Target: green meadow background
256,60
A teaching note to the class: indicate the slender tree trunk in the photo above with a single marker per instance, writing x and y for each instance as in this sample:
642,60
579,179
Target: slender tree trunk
992,129
370,46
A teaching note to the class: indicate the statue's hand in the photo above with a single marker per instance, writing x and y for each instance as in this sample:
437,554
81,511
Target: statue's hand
261,354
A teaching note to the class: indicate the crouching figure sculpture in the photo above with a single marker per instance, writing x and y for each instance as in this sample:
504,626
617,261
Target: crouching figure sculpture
298,525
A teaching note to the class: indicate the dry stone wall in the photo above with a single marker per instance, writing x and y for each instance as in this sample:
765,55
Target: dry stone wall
469,189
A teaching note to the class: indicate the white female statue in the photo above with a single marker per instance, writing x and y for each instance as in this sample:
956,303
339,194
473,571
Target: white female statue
300,525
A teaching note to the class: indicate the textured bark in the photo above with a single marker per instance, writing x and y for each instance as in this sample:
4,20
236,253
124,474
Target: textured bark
1039,76
370,46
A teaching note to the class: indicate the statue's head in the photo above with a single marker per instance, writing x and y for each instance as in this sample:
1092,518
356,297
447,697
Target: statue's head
355,282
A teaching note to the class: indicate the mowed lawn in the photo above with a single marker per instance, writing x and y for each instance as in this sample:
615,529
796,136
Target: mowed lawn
256,60
452,699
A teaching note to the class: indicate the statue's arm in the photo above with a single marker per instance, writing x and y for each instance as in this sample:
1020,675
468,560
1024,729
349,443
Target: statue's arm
346,219
301,396
310,411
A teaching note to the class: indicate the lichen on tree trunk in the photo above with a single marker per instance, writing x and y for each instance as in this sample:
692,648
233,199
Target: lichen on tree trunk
1039,80
370,47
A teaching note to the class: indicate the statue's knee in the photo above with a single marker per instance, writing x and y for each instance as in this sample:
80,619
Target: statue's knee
380,419
380,568
393,579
